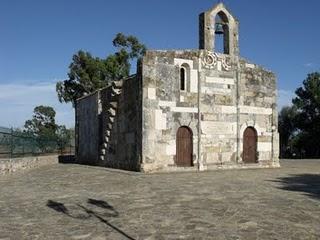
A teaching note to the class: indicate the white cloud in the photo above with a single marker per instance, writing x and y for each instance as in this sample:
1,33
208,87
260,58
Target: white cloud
285,98
17,101
309,65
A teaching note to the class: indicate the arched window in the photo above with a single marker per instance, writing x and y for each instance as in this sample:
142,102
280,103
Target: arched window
221,33
182,79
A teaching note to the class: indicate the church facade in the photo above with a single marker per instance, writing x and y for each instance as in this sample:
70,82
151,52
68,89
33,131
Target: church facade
185,109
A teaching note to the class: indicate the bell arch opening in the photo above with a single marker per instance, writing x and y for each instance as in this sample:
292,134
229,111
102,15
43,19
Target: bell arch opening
221,33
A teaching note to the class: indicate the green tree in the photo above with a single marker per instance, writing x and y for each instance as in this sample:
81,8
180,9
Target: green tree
88,73
64,137
307,120
287,129
42,127
42,122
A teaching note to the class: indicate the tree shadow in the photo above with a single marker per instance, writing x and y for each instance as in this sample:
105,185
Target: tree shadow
309,184
82,212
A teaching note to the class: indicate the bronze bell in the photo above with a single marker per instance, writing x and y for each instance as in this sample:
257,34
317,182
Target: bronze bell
219,28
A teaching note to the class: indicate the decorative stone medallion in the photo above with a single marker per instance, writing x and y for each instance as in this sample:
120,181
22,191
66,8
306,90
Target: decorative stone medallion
225,62
210,60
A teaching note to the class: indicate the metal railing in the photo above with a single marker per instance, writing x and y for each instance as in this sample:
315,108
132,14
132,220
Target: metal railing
14,145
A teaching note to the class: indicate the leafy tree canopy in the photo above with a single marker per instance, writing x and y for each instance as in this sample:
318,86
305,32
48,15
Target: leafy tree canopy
43,128
88,73
43,122
308,104
299,125
287,128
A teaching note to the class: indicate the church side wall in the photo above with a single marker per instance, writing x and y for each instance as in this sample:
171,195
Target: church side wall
108,126
87,127
120,146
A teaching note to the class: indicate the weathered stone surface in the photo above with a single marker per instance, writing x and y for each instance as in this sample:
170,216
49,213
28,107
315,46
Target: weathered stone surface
216,96
8,166
80,202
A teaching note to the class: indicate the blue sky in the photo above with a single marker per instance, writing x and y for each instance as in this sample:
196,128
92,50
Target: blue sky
39,37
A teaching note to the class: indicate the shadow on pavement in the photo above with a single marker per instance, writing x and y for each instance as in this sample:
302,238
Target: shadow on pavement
82,212
67,159
309,184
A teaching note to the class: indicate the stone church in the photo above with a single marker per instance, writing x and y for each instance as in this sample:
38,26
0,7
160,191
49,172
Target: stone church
185,109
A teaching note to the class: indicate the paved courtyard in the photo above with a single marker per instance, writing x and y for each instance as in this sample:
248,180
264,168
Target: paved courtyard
81,202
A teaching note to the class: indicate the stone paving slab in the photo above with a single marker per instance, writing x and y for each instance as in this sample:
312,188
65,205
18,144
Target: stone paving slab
80,202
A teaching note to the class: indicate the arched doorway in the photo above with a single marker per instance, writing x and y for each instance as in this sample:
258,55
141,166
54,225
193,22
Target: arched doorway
250,140
184,147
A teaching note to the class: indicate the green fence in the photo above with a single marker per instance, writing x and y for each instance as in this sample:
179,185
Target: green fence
13,145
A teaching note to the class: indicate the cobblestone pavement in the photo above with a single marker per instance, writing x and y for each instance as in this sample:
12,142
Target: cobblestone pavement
82,202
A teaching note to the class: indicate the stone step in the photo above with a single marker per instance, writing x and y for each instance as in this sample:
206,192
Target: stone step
112,112
113,105
117,84
115,91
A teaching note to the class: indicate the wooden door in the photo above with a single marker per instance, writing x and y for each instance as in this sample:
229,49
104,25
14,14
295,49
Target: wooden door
250,145
184,147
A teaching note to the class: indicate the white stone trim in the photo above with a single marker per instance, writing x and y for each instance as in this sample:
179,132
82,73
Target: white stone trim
255,110
249,124
193,81
167,103
219,66
218,128
184,109
225,109
180,61
152,93
171,148
160,120
219,91
264,146
220,80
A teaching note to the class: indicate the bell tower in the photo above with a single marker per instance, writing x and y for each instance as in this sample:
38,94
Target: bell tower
219,22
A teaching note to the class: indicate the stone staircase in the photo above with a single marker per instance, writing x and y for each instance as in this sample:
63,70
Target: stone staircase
109,109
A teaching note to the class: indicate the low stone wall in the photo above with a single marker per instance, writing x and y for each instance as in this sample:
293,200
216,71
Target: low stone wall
17,164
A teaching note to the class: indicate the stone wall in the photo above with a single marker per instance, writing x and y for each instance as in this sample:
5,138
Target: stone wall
18,164
87,129
121,114
224,96
218,104
165,108
258,109
109,126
